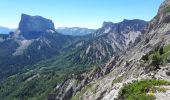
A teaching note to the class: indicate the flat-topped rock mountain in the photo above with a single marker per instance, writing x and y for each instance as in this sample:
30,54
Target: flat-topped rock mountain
34,26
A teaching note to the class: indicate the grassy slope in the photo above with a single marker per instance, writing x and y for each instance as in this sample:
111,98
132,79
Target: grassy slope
138,90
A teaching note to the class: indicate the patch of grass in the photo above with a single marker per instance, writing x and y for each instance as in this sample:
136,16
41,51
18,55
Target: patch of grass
139,90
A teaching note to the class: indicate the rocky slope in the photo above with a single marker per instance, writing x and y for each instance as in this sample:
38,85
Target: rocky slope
111,40
127,67
107,44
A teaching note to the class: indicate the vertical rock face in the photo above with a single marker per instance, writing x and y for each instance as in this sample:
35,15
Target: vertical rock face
123,33
34,26
122,28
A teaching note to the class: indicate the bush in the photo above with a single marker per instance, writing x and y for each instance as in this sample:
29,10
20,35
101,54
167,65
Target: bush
155,62
159,56
145,57
146,40
168,73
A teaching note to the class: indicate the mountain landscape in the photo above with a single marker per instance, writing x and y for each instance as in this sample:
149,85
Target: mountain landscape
128,60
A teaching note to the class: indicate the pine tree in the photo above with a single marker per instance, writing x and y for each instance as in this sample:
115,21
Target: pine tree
155,62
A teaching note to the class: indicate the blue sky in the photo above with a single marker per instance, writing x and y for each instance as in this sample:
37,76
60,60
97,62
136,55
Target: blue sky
82,13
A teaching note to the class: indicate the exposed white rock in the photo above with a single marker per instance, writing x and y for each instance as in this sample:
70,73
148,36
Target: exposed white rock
163,95
131,36
88,49
50,31
23,46
32,77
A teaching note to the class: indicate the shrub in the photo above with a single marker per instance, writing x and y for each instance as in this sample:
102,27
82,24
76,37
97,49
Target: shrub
159,56
145,57
168,73
155,62
147,40
161,51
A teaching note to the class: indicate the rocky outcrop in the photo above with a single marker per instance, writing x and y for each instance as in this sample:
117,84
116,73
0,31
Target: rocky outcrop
74,85
34,26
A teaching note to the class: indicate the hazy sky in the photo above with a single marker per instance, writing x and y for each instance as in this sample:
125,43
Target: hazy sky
82,13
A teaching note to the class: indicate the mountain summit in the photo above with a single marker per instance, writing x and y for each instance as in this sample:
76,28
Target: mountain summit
34,26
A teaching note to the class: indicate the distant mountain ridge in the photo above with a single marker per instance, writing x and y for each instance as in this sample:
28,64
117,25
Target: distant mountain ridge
5,30
127,30
75,31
